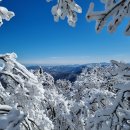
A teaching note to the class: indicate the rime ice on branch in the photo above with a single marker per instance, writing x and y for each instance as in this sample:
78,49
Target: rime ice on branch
5,14
10,65
66,8
10,118
117,10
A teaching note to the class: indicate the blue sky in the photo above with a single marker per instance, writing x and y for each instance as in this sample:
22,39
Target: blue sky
37,39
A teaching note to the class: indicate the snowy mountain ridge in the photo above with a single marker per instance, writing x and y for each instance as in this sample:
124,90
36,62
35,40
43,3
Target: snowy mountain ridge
68,72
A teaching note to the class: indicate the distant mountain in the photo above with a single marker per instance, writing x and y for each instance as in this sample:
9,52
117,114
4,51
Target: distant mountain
68,72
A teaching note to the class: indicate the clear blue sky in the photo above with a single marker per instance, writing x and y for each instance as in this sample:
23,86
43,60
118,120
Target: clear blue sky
37,39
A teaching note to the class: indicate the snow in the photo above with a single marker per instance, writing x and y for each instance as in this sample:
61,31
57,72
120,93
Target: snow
99,99
12,119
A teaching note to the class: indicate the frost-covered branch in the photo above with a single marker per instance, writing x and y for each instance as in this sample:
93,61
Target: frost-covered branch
115,9
10,118
66,8
5,14
10,64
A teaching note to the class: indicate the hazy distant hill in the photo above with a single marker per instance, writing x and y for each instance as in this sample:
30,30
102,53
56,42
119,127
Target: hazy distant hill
68,72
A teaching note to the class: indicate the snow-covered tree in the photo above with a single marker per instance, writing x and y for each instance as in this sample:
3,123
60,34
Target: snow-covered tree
18,85
115,114
64,87
99,99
